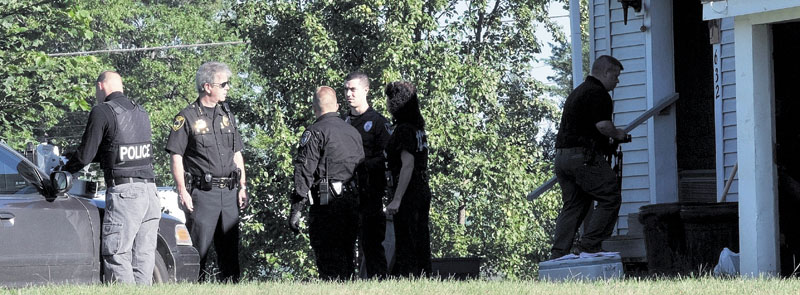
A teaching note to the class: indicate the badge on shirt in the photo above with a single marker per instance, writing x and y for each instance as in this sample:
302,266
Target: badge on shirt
388,128
225,121
179,120
304,139
367,126
200,125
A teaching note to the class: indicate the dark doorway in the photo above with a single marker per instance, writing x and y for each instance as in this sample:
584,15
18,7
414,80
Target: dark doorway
695,108
787,136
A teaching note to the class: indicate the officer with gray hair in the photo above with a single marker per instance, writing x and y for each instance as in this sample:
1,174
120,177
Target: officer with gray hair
119,134
208,167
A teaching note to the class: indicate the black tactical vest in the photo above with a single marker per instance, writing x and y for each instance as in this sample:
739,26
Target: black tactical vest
131,149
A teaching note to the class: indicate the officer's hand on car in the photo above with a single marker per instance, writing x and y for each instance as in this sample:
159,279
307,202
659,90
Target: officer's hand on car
297,212
186,199
243,200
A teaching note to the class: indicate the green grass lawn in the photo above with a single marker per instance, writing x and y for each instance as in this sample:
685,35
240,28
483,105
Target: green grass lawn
629,286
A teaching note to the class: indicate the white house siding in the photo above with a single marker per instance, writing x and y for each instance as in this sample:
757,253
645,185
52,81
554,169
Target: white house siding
725,114
626,43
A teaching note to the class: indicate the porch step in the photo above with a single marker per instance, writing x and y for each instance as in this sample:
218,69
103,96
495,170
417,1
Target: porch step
631,245
630,248
697,185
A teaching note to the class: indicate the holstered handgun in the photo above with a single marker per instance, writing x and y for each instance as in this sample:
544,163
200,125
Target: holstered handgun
235,179
187,181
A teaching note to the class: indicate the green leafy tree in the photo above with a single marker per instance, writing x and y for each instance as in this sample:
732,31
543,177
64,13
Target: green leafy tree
37,89
471,63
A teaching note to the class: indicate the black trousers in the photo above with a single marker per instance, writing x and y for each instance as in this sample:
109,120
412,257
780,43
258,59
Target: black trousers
412,256
332,230
372,233
216,219
584,178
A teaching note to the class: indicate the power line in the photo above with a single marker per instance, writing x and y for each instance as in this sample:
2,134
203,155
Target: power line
147,48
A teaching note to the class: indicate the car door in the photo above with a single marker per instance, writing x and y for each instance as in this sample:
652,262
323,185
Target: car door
42,239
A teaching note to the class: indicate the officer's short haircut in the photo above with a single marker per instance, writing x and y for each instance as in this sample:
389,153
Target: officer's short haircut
206,72
325,99
360,76
605,63
105,75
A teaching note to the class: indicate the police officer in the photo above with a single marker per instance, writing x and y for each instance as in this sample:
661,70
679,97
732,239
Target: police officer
324,169
119,134
585,177
208,168
374,130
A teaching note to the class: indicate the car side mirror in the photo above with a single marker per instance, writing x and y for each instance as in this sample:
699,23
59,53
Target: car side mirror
61,181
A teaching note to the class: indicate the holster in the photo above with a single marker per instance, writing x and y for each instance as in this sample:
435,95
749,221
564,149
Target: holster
327,191
235,178
187,181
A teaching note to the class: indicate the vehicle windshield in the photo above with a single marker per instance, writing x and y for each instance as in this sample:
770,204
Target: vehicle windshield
17,175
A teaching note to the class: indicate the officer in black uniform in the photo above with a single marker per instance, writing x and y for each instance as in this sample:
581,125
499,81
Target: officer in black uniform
119,134
324,172
583,174
208,168
374,130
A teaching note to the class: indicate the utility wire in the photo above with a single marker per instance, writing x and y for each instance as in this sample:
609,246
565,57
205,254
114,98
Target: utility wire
147,48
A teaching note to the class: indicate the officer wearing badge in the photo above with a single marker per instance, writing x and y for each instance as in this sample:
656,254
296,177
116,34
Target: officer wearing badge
118,135
374,130
208,168
324,172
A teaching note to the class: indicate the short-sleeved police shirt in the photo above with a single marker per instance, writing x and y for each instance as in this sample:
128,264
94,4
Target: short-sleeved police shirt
207,139
407,137
374,129
587,105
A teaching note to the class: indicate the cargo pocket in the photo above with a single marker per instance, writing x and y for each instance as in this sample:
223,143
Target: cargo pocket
132,192
112,238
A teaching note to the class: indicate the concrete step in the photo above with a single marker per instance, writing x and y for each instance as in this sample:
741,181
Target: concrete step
630,247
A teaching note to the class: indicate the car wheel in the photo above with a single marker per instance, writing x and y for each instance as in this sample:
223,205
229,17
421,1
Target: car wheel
160,274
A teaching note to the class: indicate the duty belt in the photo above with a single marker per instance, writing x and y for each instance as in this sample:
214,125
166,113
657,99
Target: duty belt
220,182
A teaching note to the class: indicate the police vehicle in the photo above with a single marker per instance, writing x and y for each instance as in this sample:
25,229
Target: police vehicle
49,235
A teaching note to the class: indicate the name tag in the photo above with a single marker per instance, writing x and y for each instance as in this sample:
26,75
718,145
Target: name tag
134,152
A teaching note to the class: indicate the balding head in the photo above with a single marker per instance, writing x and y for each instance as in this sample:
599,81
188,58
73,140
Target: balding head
606,69
324,101
108,82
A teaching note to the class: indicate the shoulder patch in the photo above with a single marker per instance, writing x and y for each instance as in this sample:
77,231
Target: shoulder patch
304,139
178,123
388,128
367,126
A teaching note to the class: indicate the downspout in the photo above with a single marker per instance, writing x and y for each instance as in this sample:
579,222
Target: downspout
577,46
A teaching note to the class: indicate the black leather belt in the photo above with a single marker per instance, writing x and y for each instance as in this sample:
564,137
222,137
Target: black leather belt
220,182
124,180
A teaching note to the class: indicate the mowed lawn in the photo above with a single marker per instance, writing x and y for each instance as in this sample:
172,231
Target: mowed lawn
628,286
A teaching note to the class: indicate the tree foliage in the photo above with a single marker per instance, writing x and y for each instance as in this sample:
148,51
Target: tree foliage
470,59
471,63
35,90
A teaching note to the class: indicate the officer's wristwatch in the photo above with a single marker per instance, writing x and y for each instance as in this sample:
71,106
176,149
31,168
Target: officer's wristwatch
243,188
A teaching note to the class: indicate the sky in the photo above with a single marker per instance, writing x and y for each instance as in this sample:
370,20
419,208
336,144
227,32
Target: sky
561,16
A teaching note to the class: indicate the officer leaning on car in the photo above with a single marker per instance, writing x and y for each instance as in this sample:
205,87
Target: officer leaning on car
208,168
119,134
324,168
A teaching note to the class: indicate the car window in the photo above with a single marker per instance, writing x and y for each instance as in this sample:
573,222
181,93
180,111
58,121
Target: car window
15,174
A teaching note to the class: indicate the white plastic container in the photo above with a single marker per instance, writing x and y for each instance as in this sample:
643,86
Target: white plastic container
608,266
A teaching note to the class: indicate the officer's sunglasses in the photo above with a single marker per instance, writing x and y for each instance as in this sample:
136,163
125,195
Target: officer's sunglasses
223,84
